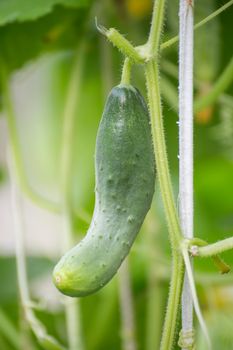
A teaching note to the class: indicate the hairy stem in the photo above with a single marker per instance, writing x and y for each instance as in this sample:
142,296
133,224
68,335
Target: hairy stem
156,27
154,100
126,72
123,45
153,90
215,248
152,77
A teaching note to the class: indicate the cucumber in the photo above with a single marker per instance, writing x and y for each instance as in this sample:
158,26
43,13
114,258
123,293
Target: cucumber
125,175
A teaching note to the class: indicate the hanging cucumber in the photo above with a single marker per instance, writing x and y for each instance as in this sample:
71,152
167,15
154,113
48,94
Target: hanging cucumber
125,174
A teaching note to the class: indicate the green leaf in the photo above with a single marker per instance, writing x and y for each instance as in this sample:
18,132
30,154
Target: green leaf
24,10
22,42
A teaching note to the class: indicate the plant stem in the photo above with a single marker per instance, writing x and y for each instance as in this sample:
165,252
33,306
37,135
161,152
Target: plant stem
221,84
126,308
126,72
216,248
152,77
73,97
16,147
123,45
186,148
156,27
194,245
173,303
187,340
153,90
154,100
175,39
47,341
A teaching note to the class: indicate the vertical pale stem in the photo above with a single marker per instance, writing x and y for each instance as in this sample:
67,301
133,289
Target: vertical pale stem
46,341
72,306
126,306
186,144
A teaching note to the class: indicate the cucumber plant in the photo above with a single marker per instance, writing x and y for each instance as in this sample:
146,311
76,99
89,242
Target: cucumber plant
125,175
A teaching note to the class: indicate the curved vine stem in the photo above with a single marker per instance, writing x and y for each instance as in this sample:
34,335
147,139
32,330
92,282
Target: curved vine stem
16,148
45,340
175,39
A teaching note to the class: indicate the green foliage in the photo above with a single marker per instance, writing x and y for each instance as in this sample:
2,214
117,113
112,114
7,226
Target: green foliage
55,31
22,10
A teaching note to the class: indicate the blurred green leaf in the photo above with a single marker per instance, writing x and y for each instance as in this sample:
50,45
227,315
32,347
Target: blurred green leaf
60,29
24,10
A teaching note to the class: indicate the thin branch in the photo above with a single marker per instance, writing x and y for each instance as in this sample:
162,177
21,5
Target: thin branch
175,39
215,248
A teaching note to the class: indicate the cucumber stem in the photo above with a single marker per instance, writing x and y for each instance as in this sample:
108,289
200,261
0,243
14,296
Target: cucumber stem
156,28
154,100
175,234
126,72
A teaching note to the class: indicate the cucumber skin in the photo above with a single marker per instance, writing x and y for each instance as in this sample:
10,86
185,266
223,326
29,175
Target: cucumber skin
125,175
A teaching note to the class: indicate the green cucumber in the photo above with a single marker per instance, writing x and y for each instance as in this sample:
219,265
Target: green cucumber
125,175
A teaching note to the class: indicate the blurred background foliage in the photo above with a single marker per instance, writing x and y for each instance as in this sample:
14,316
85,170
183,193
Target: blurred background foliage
40,45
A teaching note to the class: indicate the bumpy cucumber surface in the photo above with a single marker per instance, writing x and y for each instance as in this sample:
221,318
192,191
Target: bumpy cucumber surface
125,174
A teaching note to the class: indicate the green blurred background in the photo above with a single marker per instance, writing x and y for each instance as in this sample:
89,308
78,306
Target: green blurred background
40,47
